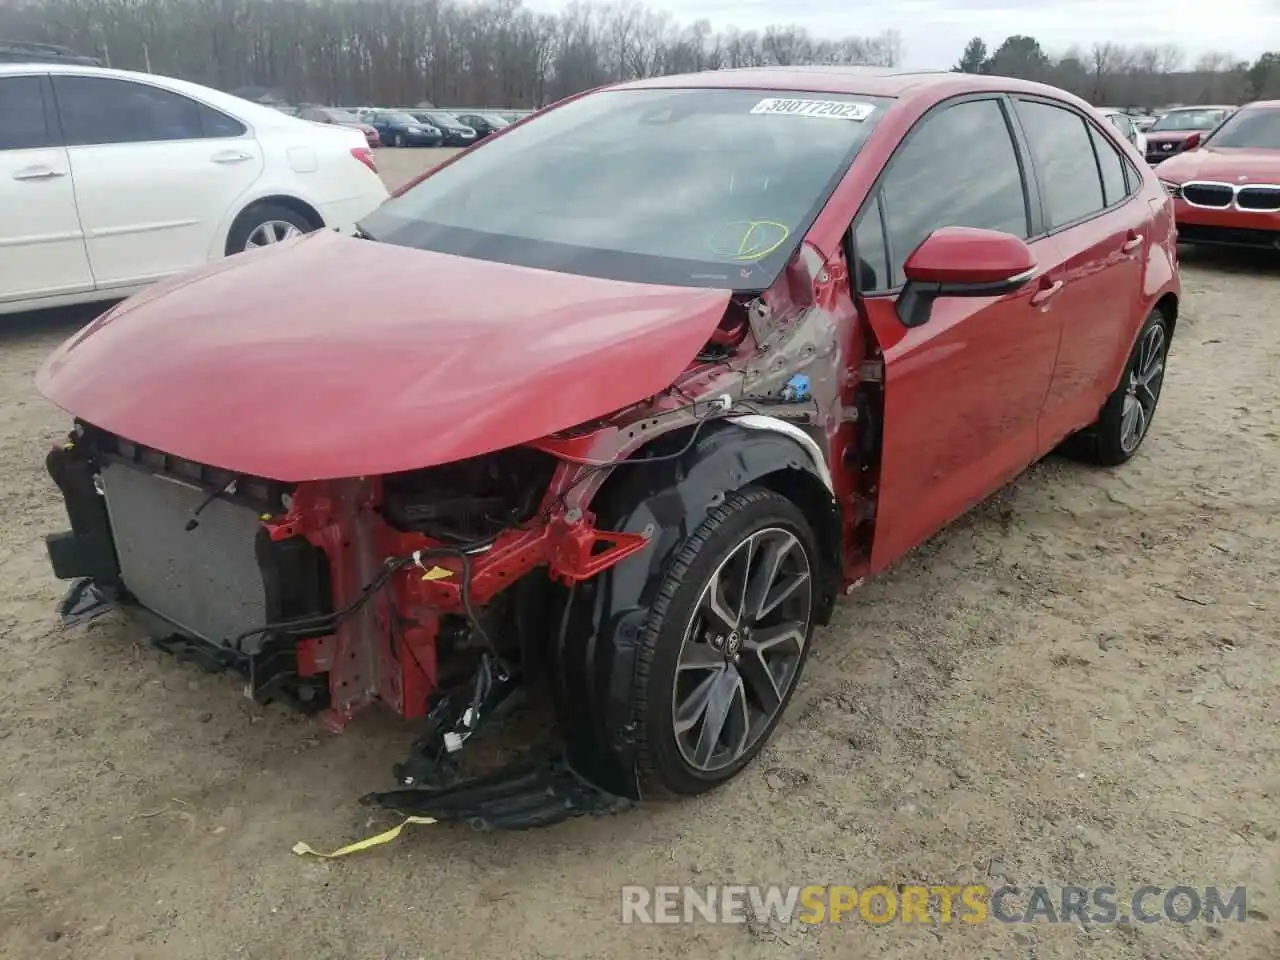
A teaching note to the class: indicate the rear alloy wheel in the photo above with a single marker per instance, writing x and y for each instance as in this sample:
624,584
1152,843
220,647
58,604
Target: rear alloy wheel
726,642
1126,417
264,226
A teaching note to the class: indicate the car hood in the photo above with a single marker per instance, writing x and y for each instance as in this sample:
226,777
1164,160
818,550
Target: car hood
1171,136
278,363
1230,165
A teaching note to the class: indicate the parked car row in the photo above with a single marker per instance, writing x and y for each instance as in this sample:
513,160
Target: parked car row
411,127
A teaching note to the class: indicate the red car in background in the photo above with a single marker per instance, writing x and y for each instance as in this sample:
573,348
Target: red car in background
342,118
755,335
1226,190
1179,129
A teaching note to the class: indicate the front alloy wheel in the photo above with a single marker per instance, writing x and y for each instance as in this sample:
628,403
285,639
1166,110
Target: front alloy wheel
726,642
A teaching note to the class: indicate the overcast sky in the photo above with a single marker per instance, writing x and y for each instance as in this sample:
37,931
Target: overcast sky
934,32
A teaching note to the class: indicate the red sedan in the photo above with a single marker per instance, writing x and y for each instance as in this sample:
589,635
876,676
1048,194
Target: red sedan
1226,190
342,118
754,336
1180,129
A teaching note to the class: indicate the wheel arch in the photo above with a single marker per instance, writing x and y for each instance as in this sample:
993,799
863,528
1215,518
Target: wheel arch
289,202
1168,307
593,650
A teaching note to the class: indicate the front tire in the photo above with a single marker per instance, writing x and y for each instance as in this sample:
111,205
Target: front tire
398,141
1126,417
725,643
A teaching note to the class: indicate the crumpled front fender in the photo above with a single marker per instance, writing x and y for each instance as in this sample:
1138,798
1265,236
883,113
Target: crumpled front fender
596,641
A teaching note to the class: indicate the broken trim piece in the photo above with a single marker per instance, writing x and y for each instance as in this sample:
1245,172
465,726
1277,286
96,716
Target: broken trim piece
756,421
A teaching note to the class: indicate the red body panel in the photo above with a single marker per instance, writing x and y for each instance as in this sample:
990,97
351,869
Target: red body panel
963,395
967,255
1101,305
988,386
263,365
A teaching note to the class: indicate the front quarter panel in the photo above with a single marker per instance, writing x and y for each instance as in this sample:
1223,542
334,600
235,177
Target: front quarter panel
600,630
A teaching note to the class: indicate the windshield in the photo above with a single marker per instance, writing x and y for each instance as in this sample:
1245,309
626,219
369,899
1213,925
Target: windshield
341,116
493,120
445,120
401,118
1189,120
704,188
1259,129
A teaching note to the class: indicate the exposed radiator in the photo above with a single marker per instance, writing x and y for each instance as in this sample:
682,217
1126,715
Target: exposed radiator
205,581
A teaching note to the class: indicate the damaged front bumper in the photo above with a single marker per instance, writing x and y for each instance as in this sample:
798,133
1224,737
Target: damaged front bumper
572,775
541,788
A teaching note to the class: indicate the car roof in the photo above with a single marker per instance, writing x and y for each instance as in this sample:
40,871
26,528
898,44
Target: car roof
1201,106
244,109
1262,105
867,81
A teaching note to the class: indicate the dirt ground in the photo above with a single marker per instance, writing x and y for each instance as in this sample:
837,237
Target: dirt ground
1078,683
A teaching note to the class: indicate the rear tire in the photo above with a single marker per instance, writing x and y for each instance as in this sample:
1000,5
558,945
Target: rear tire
1126,417
256,225
725,643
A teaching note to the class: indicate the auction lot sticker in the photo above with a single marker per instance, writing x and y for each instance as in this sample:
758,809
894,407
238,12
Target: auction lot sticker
824,109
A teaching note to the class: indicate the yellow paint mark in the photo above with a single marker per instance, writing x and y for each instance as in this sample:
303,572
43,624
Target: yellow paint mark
303,849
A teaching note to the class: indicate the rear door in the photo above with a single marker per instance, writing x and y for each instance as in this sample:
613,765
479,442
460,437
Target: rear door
963,392
155,173
1092,210
42,250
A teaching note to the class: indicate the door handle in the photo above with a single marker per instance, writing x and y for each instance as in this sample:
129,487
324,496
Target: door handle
231,156
1132,244
38,173
1044,294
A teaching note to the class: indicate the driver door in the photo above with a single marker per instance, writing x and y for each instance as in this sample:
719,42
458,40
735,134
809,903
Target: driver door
963,392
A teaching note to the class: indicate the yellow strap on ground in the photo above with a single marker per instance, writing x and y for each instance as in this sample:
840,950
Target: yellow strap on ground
302,849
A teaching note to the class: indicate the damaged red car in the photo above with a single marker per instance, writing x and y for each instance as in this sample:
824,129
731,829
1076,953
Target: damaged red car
732,343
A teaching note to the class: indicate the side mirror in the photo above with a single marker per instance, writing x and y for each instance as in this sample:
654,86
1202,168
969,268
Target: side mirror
962,262
1192,141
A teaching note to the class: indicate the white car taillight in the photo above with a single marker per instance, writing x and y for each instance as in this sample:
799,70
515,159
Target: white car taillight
365,156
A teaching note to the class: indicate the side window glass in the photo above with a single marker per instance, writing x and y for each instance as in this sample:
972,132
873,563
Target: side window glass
958,169
214,123
22,110
98,110
1114,186
870,268
1060,145
1133,176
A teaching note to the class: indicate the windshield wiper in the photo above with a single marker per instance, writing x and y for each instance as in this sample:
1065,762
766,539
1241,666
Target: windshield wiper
362,234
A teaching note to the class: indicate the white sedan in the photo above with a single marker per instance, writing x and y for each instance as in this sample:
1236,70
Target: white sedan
1128,129
111,180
